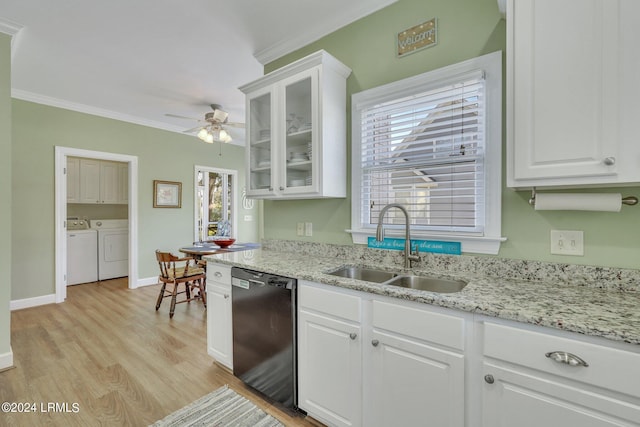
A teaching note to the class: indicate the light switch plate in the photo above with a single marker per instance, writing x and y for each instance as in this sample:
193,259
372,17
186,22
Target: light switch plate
300,229
308,229
567,242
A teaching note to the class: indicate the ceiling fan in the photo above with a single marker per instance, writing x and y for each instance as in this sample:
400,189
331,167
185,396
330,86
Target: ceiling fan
213,127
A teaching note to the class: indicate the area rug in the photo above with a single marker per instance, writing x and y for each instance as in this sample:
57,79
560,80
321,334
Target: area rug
223,407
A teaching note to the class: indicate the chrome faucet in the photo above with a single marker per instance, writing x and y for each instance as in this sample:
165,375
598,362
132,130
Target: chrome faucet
408,255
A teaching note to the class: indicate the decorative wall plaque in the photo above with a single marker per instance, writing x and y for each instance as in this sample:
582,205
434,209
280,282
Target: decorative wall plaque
417,38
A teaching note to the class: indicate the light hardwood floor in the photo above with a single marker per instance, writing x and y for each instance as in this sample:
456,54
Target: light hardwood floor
107,350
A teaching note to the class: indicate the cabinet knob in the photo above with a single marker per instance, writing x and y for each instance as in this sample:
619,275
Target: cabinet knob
489,379
217,274
226,296
281,188
375,343
567,358
609,161
353,335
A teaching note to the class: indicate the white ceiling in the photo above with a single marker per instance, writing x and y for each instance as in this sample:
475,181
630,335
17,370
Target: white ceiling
136,60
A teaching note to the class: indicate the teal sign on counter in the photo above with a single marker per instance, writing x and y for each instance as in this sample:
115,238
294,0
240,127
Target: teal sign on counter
449,248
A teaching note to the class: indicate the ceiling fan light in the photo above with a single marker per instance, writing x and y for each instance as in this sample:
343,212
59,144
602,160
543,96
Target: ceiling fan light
203,134
209,138
224,136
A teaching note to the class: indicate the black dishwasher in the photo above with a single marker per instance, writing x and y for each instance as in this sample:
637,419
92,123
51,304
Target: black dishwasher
264,333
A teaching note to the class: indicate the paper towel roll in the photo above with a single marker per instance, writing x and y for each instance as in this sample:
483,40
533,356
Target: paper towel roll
606,202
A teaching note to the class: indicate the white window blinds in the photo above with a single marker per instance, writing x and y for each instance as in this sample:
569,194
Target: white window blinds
425,151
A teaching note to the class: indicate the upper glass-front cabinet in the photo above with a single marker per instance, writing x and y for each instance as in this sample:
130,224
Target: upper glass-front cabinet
259,149
299,117
296,127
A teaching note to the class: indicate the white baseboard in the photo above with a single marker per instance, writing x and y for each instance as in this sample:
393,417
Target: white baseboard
32,302
147,281
6,360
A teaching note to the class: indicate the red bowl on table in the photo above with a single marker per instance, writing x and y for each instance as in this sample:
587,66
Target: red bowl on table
223,242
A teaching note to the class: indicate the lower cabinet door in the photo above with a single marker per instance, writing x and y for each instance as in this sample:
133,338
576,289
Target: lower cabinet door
330,369
413,384
517,398
219,328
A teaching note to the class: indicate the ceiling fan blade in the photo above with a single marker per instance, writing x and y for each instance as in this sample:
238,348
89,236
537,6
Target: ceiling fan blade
183,117
235,125
192,129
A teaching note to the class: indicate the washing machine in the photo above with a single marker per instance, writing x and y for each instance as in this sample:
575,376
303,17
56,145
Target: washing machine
113,247
82,252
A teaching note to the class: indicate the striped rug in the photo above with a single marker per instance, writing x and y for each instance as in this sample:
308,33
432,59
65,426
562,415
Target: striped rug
223,407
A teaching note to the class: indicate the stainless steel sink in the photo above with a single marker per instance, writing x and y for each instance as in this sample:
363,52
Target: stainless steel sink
432,284
361,273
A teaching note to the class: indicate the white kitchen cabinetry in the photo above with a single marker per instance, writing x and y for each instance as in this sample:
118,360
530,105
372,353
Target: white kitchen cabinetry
329,355
296,130
97,181
417,367
572,92
524,387
219,326
364,360
73,180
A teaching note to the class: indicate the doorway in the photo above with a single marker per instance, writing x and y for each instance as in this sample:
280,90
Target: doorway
61,154
215,201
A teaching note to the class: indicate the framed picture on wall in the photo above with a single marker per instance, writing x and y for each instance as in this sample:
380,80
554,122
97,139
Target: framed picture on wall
167,194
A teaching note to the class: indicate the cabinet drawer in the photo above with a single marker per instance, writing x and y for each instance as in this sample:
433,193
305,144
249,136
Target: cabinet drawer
219,273
419,323
329,302
608,367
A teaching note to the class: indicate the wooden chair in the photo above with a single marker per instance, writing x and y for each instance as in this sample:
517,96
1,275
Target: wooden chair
176,271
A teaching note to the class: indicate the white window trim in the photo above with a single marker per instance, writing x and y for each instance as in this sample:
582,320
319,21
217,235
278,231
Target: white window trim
487,242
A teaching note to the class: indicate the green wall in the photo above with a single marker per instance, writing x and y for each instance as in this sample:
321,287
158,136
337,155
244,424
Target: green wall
5,193
163,155
466,29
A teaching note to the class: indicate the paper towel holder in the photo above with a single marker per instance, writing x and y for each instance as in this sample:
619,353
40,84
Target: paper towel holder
629,200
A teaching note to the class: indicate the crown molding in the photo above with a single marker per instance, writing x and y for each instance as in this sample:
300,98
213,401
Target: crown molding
291,44
100,112
9,27
502,6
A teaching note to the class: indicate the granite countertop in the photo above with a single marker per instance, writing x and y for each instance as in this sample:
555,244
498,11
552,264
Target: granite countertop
607,310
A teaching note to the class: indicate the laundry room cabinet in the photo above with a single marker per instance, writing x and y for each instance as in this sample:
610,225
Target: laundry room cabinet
572,92
296,130
96,181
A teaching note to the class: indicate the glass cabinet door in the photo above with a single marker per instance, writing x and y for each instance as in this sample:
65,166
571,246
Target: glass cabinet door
260,134
300,114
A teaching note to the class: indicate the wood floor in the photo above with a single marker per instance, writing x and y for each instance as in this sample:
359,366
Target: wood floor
106,352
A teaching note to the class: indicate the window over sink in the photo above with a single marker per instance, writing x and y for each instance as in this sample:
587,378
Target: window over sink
433,144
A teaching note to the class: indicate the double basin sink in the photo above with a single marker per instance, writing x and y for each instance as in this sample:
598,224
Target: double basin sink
424,283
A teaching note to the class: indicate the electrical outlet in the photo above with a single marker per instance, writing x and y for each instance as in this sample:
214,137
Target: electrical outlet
567,242
308,229
248,218
300,229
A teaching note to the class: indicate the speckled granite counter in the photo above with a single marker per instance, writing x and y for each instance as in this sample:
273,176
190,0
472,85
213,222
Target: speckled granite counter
596,301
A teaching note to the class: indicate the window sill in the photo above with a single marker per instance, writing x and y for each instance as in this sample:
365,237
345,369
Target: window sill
470,244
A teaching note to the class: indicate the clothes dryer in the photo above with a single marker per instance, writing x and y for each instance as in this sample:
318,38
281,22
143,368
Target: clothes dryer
113,247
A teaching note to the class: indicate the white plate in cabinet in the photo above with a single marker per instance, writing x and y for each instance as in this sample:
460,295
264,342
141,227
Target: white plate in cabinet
296,130
572,92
